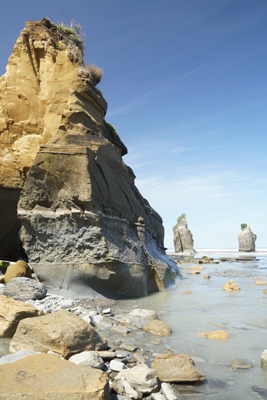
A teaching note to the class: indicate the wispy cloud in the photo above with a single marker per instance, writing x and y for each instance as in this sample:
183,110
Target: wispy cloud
145,97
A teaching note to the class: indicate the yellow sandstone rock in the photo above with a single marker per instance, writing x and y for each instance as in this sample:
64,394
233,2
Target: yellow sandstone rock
19,269
47,376
157,327
231,285
216,335
259,281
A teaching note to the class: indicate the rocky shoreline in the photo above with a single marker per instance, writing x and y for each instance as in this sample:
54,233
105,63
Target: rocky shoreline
128,358
125,369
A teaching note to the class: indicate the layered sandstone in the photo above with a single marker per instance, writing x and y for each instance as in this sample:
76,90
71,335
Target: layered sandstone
82,221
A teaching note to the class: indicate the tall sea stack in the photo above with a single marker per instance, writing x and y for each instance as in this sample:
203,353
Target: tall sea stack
67,198
182,236
246,239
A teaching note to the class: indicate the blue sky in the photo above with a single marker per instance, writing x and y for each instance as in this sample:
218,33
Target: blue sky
185,82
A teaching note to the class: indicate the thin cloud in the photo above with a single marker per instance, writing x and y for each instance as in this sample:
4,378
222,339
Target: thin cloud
145,97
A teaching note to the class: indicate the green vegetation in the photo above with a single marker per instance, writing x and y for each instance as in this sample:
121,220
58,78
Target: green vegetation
4,264
244,226
71,33
206,258
178,221
111,128
72,37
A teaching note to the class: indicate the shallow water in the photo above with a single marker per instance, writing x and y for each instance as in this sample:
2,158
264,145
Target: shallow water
199,305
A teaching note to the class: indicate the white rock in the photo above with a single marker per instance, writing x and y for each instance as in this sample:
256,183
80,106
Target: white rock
169,392
107,311
88,359
129,391
116,366
141,378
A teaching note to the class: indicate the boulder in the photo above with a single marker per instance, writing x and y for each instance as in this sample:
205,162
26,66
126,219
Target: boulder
44,376
136,382
231,286
25,289
12,312
246,239
62,332
18,269
176,368
82,221
157,327
217,335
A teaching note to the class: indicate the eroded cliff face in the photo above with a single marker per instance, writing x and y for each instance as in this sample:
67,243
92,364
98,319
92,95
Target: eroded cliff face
82,221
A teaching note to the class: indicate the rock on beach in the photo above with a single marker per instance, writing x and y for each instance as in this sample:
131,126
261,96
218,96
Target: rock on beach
231,286
62,332
12,312
177,368
45,376
216,335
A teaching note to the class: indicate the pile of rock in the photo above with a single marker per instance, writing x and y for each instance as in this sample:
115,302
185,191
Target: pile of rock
68,347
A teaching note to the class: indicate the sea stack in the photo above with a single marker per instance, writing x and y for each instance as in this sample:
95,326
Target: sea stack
182,236
246,239
67,198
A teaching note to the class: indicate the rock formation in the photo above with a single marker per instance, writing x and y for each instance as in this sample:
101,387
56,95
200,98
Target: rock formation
82,221
246,239
182,236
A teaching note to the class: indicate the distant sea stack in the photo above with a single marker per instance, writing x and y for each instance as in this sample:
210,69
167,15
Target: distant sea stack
67,198
182,236
246,239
